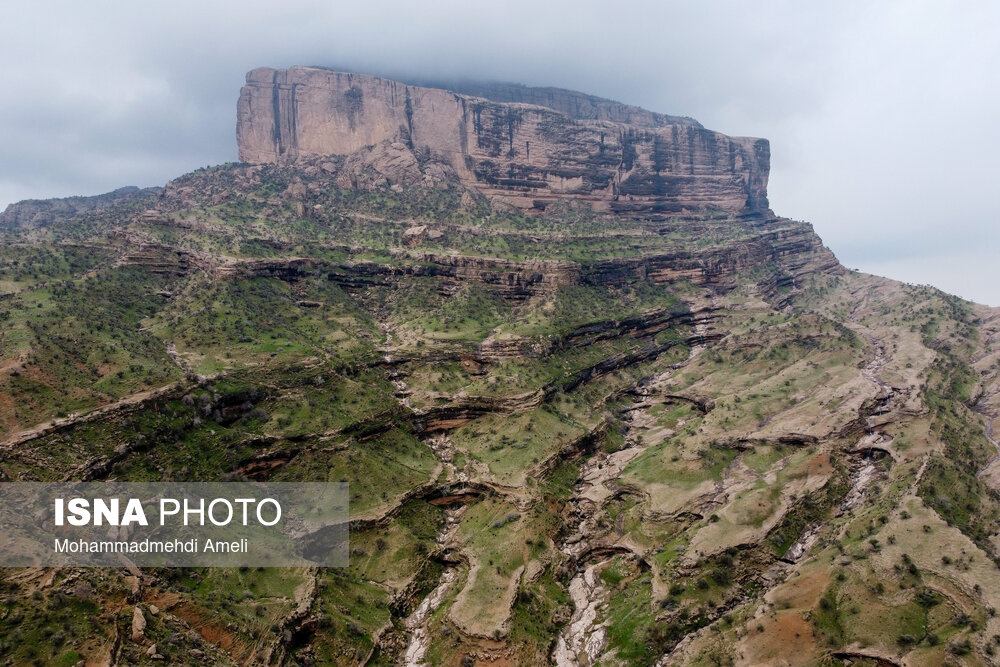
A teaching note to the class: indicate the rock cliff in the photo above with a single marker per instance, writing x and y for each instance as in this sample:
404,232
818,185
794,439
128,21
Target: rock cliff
525,146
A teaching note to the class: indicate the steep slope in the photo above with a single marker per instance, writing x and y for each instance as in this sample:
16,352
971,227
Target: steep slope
555,146
575,433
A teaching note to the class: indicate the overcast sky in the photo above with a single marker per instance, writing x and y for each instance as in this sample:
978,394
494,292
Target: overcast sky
882,116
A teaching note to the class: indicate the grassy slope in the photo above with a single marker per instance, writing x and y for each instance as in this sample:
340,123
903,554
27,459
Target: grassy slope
708,503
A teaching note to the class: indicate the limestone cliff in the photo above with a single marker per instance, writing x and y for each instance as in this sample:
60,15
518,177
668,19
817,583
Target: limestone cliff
525,146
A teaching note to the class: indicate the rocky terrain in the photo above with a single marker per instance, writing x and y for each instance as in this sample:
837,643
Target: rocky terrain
597,404
526,149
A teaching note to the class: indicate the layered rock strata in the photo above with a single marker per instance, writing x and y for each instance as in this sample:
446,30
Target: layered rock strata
553,145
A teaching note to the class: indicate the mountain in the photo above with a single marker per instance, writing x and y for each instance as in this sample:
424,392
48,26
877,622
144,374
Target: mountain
546,146
32,213
596,402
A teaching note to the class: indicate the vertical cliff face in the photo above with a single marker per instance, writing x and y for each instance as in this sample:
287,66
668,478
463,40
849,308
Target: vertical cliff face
528,146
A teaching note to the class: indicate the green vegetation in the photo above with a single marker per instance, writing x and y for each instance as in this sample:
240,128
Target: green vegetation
512,397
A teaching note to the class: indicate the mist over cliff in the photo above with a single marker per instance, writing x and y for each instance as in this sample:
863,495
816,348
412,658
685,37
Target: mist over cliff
527,146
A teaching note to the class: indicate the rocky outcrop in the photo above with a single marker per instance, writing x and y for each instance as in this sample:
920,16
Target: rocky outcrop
531,148
510,278
159,258
789,251
464,409
390,164
138,625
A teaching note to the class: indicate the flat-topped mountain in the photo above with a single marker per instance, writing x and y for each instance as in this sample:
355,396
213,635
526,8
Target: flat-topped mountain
526,146
596,403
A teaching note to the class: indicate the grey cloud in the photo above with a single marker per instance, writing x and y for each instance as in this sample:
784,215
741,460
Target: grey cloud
880,116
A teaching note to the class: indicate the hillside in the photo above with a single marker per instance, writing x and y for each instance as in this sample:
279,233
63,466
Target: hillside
596,402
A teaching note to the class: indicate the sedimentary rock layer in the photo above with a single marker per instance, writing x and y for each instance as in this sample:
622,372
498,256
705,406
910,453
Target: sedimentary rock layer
552,145
788,250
